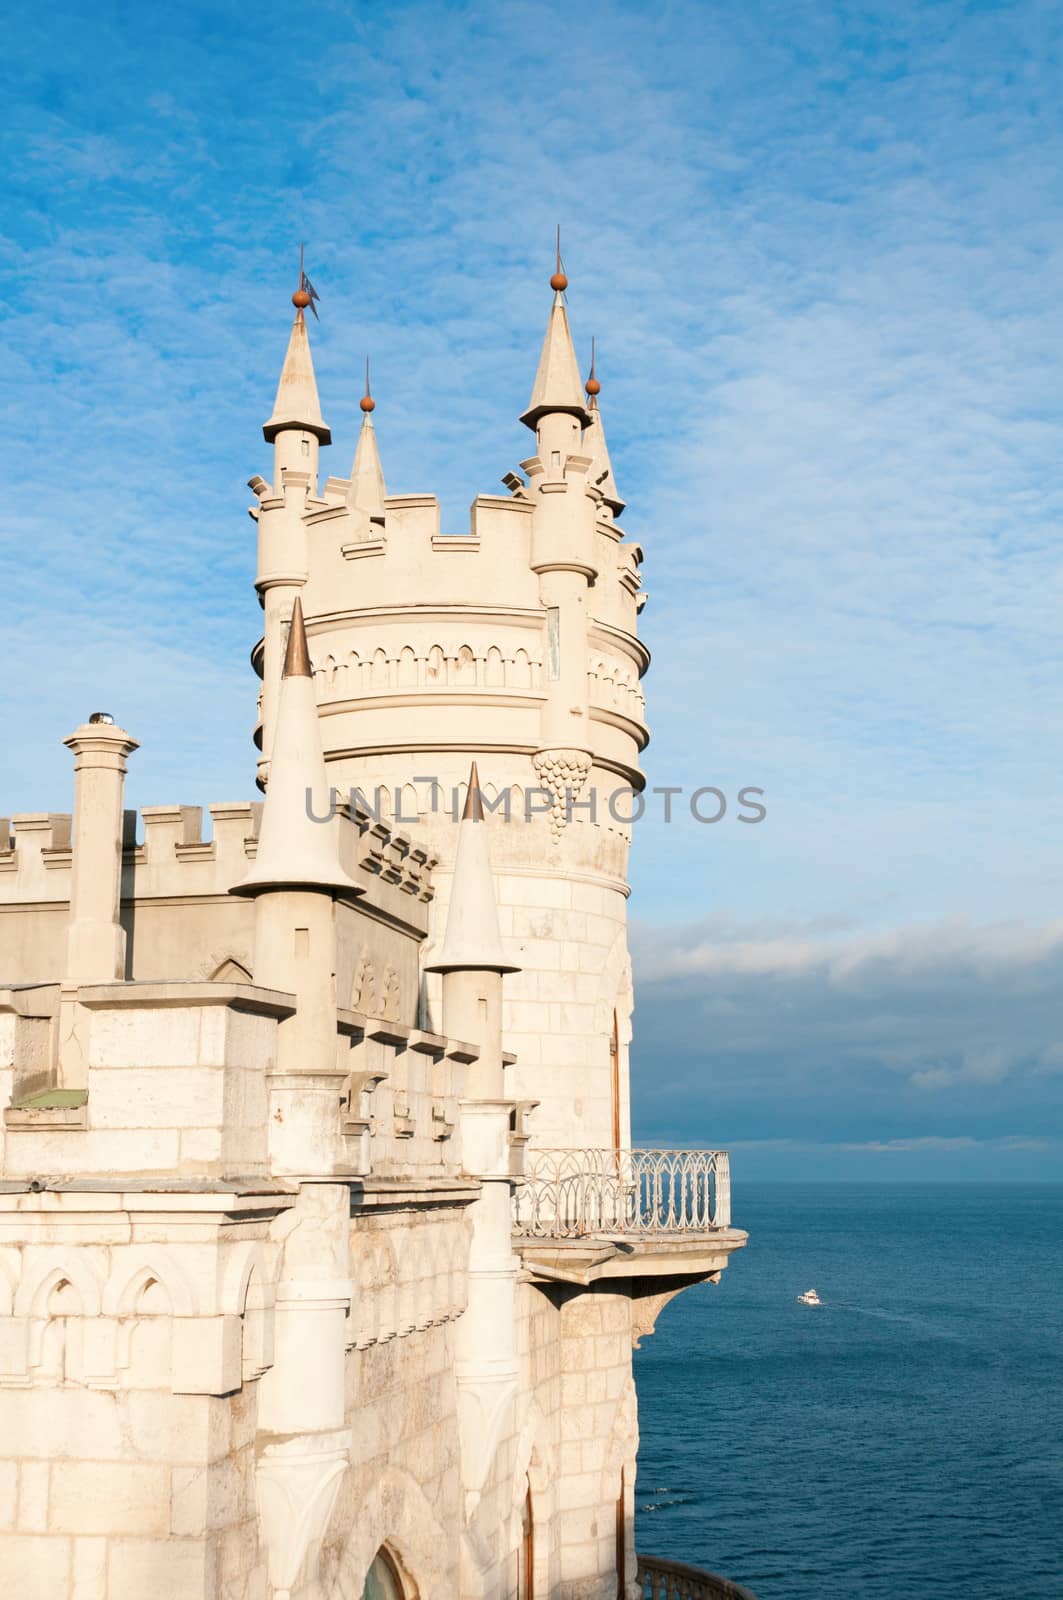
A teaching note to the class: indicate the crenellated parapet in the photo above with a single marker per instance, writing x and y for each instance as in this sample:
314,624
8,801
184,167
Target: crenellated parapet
165,855
180,919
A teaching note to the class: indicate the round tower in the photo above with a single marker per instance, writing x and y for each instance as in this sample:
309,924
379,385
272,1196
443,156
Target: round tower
514,645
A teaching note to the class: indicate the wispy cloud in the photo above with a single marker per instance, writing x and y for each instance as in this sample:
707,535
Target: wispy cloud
820,246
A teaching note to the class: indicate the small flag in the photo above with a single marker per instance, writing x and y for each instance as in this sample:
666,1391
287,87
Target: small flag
314,296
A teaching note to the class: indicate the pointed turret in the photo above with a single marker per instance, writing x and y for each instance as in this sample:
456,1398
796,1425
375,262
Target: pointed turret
367,489
472,941
297,406
295,851
557,386
594,443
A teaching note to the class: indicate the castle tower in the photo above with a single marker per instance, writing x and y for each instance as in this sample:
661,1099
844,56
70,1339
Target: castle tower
514,645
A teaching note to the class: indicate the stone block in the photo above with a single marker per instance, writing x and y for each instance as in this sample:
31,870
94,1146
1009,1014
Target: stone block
90,1569
110,1497
34,1566
158,1569
207,1355
14,1350
49,1423
8,1494
578,1557
162,1426
166,1036
33,1497
200,1147
156,1097
188,1501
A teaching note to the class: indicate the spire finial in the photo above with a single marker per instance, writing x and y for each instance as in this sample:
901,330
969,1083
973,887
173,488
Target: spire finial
592,386
474,805
559,281
305,295
297,655
300,299
367,402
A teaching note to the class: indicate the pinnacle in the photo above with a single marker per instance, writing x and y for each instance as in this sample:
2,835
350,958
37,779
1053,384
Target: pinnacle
297,404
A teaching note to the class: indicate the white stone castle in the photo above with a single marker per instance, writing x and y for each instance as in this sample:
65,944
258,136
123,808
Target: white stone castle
323,1246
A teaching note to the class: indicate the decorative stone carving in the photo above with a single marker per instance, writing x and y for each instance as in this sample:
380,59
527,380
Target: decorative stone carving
564,774
363,996
296,1481
389,995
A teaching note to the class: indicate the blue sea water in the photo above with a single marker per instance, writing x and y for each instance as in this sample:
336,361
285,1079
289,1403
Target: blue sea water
906,1438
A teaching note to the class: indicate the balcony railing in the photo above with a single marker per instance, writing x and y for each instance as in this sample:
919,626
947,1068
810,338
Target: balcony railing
673,1580
569,1194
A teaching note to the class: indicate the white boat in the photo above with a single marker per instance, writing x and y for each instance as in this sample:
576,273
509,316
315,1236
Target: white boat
810,1298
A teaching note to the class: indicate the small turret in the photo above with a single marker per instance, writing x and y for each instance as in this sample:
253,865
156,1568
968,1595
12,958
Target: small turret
472,941
600,476
556,411
367,489
297,432
295,850
297,407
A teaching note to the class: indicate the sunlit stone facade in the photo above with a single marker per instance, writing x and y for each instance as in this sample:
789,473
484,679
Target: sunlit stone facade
270,1322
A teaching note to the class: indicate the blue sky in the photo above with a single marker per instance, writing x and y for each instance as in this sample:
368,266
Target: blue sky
821,248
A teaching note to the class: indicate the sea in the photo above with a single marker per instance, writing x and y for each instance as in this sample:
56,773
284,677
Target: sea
905,1438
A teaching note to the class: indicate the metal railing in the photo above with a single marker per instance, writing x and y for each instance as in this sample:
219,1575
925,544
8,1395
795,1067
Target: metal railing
674,1580
568,1194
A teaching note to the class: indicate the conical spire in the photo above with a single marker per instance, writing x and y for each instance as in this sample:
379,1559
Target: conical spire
367,475
294,850
297,404
472,940
557,386
601,473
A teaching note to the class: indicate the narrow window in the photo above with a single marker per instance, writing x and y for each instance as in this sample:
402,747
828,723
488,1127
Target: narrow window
553,643
621,1542
526,1551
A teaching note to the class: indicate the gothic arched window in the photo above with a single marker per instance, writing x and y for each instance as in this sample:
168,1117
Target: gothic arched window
382,1581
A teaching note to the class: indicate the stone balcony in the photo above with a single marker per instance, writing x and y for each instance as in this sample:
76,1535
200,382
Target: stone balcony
674,1580
581,1216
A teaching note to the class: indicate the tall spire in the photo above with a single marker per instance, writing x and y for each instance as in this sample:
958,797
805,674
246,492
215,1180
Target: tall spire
557,386
297,404
472,941
601,473
367,475
295,850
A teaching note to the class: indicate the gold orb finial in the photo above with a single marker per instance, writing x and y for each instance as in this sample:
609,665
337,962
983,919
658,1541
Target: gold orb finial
300,299
592,386
367,402
559,281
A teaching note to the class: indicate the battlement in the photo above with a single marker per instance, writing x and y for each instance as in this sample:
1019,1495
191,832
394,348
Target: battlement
172,860
403,552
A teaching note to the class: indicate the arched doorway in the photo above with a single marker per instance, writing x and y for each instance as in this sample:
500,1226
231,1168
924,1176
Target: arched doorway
382,1581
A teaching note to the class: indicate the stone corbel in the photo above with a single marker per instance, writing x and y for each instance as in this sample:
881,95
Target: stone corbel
646,1308
519,1134
297,1480
354,1114
485,1400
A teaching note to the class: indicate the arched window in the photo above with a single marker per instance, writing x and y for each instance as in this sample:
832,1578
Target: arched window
382,1581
